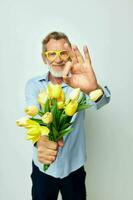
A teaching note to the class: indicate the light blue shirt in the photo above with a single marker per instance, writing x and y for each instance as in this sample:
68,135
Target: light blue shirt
73,155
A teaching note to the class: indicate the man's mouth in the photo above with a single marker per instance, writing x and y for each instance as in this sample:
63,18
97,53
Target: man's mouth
59,64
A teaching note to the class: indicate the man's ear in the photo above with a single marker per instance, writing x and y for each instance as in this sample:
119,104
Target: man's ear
44,59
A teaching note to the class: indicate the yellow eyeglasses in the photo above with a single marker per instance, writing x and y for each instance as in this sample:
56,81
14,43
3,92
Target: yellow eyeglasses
51,55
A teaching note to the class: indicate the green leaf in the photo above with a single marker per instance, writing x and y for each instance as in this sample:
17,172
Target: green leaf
40,113
83,107
50,135
83,99
66,125
64,132
54,114
38,121
46,107
55,133
63,119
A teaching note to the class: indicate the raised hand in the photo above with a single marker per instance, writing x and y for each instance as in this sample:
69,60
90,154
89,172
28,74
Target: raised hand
78,73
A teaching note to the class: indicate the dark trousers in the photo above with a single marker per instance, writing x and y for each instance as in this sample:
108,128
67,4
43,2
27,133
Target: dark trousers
45,187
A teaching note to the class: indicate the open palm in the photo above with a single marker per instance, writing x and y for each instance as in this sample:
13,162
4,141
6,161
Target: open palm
80,70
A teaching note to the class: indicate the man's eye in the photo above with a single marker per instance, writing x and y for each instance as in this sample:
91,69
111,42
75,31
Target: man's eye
51,54
64,53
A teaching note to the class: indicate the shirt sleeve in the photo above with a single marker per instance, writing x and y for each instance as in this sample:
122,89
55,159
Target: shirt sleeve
105,99
31,93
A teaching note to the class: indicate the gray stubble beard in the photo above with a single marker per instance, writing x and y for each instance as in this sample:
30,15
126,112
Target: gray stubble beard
56,74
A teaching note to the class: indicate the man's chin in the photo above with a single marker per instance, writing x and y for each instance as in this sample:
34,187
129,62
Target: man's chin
56,74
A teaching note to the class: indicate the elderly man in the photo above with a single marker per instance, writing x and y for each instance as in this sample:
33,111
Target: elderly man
68,67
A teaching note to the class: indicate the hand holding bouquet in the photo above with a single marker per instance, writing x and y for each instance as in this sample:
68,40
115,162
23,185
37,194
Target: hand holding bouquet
54,117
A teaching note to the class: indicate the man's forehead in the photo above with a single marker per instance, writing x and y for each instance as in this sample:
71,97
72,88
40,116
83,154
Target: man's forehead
56,44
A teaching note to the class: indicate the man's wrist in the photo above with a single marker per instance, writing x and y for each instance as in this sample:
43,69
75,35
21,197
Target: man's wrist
94,88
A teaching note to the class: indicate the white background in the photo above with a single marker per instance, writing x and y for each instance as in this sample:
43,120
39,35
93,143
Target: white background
105,26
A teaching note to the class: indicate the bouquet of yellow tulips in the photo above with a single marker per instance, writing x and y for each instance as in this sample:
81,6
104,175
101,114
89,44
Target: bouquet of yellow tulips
53,118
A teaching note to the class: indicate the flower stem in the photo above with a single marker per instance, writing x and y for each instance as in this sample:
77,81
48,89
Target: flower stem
45,167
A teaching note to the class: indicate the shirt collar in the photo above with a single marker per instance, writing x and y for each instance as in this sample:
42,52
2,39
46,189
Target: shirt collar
45,78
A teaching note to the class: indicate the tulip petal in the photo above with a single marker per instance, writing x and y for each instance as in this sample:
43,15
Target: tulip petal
94,95
54,90
31,110
44,130
22,121
71,108
34,139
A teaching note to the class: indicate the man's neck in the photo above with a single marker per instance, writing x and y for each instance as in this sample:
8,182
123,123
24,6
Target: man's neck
55,80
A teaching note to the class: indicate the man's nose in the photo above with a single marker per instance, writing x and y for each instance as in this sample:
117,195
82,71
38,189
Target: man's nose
58,59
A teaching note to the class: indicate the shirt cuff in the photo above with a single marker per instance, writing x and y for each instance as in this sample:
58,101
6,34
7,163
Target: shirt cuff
102,101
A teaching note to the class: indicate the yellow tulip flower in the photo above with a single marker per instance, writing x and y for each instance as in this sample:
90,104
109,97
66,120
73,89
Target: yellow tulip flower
71,108
42,98
54,91
44,130
94,95
62,97
60,100
47,118
31,110
60,105
34,129
25,122
74,95
35,132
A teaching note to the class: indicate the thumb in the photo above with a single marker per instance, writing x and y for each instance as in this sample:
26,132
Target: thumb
67,79
67,73
60,143
67,68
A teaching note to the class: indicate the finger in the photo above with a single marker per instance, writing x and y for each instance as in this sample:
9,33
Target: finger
78,68
71,52
79,56
86,54
43,161
42,140
61,143
67,80
51,152
52,145
67,68
46,161
47,157
50,158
